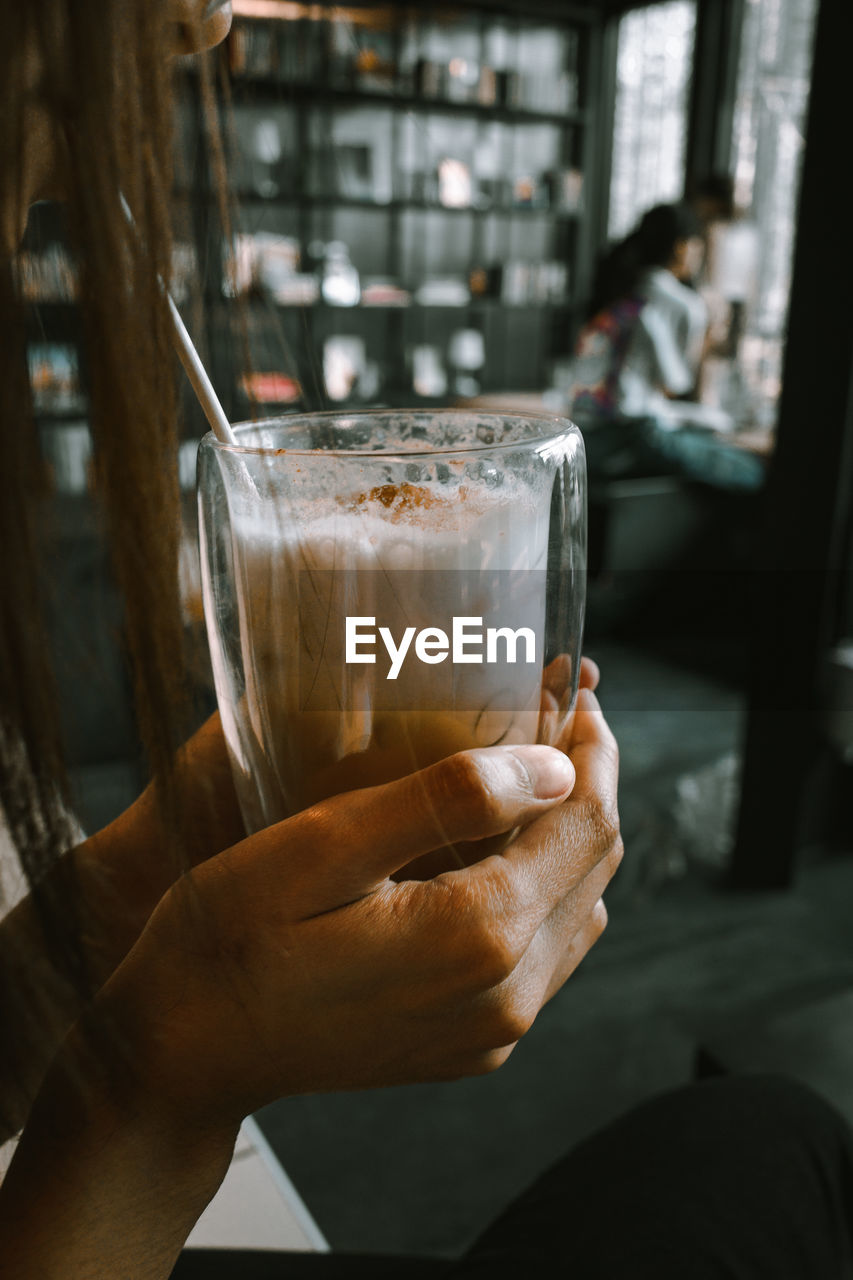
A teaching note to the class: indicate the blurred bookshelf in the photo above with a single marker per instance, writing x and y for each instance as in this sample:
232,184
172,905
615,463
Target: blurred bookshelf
412,216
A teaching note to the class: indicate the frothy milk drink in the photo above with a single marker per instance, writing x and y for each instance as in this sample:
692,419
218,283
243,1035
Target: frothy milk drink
385,588
380,630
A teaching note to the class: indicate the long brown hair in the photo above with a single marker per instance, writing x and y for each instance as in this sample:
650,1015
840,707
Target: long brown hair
102,73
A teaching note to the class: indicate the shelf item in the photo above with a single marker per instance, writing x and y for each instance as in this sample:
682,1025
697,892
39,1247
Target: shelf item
340,285
455,190
270,388
344,365
467,350
262,263
55,378
535,68
67,449
429,375
447,292
47,275
533,282
384,293
565,190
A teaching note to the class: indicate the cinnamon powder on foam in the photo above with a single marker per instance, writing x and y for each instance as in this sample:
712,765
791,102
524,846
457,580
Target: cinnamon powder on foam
402,501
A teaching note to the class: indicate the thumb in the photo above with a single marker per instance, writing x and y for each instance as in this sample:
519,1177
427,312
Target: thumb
344,847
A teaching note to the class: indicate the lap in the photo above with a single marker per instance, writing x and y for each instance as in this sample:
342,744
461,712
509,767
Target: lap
735,1178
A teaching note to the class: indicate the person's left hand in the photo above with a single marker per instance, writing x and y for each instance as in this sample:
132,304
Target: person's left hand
127,866
130,860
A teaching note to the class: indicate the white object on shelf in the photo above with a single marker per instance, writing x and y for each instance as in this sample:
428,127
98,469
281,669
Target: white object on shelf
340,284
68,449
443,292
429,376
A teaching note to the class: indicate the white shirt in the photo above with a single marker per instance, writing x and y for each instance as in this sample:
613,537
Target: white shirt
665,348
650,348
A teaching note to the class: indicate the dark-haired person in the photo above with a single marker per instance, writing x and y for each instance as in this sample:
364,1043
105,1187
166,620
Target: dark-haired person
638,357
168,976
642,340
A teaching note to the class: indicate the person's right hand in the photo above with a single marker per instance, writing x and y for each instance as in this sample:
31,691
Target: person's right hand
292,962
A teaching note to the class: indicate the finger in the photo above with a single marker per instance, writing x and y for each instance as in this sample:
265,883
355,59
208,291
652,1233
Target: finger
560,849
551,723
558,866
505,1012
577,949
555,941
557,677
594,752
569,915
589,674
557,851
544,969
556,710
344,847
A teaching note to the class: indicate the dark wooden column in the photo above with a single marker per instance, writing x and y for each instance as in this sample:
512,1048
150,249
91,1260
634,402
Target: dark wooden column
807,503
716,52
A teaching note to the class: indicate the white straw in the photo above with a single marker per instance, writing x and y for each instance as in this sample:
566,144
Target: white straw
197,375
191,361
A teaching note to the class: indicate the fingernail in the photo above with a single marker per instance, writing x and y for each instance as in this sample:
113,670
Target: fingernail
551,773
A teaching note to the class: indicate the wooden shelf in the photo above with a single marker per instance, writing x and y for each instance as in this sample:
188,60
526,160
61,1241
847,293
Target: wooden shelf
266,91
398,205
475,304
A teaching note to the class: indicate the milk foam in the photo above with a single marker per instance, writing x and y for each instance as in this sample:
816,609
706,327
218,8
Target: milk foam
294,739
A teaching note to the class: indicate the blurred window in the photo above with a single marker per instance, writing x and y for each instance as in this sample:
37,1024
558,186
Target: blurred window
654,59
770,113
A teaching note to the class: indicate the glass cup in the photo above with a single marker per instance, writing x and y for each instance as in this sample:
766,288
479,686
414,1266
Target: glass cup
383,589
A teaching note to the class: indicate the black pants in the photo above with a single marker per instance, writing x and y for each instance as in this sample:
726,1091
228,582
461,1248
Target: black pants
747,1178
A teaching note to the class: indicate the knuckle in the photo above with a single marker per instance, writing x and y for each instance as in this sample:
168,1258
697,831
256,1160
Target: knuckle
484,924
602,821
480,945
473,1061
609,828
487,1063
495,952
513,1020
609,747
613,857
322,822
462,777
448,903
320,827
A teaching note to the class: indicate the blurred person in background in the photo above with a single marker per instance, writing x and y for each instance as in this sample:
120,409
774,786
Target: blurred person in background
727,283
638,358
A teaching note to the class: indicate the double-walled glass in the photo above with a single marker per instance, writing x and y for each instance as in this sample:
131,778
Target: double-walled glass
383,589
